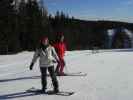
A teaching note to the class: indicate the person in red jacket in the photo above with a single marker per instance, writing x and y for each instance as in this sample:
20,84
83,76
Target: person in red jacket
60,48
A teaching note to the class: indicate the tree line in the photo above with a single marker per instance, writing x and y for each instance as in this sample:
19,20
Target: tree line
23,25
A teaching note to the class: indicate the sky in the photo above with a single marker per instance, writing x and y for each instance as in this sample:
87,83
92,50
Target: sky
120,10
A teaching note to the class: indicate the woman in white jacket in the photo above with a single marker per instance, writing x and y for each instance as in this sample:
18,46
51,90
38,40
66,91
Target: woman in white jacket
47,55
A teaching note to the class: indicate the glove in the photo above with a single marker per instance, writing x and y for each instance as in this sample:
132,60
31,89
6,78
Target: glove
54,61
58,61
31,66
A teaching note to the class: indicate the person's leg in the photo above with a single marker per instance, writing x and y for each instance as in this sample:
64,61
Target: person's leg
62,65
43,78
54,78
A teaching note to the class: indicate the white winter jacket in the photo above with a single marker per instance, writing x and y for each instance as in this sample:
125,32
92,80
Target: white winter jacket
47,57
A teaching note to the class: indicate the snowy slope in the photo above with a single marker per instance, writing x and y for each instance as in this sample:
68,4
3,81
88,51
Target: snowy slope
109,76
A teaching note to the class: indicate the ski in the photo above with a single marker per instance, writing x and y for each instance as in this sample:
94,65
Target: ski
61,93
74,74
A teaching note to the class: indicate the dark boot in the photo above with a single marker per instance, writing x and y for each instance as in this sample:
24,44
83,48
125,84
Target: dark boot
43,90
56,90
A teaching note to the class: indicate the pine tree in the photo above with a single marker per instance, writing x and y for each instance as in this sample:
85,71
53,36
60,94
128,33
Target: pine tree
22,22
36,22
7,26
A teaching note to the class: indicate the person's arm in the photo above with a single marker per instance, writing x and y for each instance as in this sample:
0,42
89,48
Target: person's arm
55,54
65,48
35,56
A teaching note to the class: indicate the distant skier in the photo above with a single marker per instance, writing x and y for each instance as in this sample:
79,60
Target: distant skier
47,55
60,48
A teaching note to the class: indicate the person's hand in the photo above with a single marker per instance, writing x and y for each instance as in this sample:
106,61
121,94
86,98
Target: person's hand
31,66
58,61
54,61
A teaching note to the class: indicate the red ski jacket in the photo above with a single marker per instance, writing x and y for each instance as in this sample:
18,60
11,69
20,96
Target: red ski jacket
60,48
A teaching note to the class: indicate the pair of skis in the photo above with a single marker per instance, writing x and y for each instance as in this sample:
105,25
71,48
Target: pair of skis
61,93
38,91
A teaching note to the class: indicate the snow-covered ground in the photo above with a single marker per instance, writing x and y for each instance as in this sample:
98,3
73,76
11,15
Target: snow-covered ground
109,76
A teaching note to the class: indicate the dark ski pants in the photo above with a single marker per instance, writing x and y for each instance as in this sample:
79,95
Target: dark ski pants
44,77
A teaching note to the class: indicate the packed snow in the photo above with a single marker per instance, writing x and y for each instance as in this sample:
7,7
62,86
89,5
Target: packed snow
109,76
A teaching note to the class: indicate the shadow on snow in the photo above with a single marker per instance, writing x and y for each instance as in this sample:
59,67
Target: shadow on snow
21,78
17,95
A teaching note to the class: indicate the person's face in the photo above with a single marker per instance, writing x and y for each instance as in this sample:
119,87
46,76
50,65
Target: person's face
45,41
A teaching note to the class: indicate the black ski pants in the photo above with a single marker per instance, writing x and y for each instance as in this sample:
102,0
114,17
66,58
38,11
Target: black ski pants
52,75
